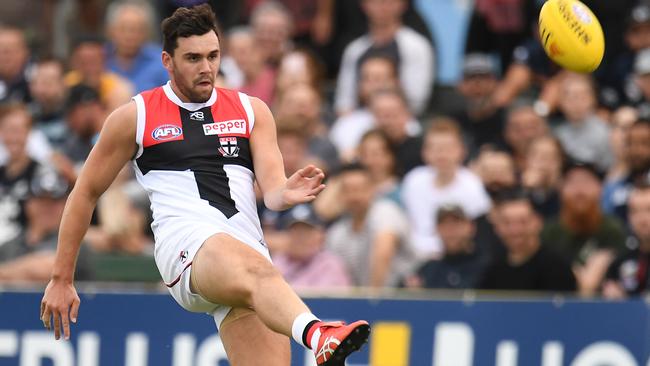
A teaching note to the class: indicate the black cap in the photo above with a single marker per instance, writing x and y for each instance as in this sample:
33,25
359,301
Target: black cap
81,94
591,168
303,213
49,184
450,210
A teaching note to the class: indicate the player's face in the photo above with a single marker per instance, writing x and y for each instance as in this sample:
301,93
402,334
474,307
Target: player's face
194,65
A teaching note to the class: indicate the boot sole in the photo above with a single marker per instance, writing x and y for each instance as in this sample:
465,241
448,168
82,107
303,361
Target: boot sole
357,338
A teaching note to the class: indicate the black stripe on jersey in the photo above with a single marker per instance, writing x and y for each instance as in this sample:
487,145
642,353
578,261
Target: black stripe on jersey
200,154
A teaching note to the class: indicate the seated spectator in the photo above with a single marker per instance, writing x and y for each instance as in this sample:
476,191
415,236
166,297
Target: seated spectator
88,66
523,126
387,35
84,114
528,265
299,66
305,260
130,55
622,119
376,154
14,65
375,73
542,173
392,115
258,78
628,275
584,136
372,236
443,180
616,193
48,93
496,170
300,106
581,233
272,27
481,121
17,172
460,266
44,210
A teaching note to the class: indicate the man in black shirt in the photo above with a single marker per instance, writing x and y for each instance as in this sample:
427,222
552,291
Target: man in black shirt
461,264
527,264
629,273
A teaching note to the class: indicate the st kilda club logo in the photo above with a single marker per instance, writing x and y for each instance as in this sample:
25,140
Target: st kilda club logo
229,148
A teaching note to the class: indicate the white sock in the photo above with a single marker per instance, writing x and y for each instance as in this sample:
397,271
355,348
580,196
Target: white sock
299,325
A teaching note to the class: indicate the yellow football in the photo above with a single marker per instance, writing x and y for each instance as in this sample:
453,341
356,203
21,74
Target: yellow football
571,35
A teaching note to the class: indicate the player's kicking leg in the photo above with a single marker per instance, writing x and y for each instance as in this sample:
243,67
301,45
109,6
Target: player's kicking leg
226,271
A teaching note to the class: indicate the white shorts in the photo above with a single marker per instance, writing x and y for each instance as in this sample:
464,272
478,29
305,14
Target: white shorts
174,255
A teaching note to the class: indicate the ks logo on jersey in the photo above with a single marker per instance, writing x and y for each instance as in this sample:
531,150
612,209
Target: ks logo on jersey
166,132
229,148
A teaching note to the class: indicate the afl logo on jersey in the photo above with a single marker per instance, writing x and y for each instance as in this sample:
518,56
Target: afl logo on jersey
166,132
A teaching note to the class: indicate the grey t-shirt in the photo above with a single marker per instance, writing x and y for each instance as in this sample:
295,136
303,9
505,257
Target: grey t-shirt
355,246
587,141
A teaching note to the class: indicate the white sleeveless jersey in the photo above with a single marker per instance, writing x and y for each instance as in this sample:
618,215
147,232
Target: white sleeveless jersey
195,162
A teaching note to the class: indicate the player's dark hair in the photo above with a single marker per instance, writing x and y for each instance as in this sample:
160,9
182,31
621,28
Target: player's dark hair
187,22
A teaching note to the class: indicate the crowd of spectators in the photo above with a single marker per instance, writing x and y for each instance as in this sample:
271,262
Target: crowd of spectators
457,154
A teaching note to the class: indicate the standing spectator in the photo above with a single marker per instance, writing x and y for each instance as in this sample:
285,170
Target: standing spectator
375,73
17,173
272,28
129,25
628,275
372,238
523,126
584,136
258,77
616,193
376,154
387,35
299,66
545,160
14,62
528,265
443,180
301,106
305,259
84,115
461,265
481,121
88,66
48,92
392,115
581,233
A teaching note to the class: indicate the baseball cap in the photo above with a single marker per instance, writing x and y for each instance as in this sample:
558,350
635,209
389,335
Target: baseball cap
639,14
479,64
591,168
80,94
303,213
48,183
450,210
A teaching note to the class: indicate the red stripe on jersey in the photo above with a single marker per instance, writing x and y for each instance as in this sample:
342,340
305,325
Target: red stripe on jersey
230,118
163,119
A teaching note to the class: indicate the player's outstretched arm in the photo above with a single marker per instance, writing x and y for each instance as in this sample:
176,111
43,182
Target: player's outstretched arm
279,192
116,145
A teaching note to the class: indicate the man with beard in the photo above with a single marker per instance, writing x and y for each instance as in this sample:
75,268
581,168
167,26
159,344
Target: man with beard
582,234
193,148
616,193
